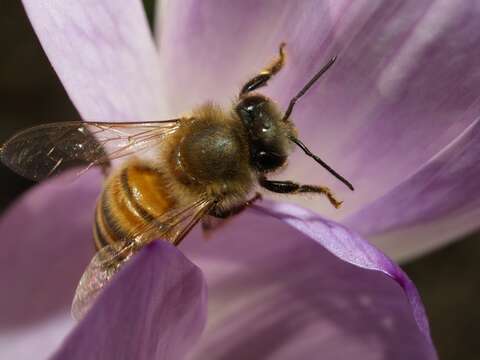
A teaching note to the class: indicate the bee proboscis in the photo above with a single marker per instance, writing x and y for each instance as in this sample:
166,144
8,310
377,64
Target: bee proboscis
205,165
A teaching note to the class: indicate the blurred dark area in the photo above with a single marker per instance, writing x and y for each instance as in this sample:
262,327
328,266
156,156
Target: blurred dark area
31,94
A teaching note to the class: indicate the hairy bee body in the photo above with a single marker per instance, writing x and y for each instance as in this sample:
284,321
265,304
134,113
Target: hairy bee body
209,155
131,199
206,157
200,165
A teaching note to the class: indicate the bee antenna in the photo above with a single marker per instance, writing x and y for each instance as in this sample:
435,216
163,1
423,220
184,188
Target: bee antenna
302,146
307,86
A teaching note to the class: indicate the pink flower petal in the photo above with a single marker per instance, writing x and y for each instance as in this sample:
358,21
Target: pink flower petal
405,84
104,55
293,296
154,309
440,202
287,284
47,243
207,50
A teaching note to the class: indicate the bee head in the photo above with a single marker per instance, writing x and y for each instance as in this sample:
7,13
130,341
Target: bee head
272,134
268,134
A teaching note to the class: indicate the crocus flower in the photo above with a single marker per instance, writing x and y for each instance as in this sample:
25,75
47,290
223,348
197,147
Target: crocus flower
397,114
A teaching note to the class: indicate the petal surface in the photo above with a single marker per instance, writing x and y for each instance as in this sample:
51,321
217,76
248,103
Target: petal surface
47,243
155,308
207,50
104,54
287,284
439,203
405,84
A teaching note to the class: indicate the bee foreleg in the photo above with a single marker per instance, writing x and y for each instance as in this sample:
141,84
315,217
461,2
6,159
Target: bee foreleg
266,74
289,187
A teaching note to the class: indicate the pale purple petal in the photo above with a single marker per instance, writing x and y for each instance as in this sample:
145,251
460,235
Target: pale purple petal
155,308
405,85
444,194
287,284
258,268
104,54
208,49
46,245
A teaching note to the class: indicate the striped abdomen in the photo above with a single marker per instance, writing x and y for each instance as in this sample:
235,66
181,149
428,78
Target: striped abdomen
131,201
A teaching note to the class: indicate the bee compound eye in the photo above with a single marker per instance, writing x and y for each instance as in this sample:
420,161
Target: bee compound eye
265,161
251,110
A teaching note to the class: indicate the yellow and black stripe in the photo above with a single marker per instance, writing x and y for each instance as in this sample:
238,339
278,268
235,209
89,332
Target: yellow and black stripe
131,200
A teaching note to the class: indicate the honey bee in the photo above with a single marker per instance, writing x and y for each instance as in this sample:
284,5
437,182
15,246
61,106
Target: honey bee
203,165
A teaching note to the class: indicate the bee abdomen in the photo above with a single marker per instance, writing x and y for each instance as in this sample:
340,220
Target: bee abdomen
131,202
106,231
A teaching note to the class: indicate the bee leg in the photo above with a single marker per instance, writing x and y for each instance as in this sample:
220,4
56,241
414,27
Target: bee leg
105,168
224,214
210,224
262,78
289,187
219,218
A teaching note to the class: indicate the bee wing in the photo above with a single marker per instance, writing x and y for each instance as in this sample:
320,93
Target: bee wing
106,262
174,225
44,150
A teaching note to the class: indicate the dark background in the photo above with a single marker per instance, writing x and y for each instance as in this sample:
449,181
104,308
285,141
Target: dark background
31,93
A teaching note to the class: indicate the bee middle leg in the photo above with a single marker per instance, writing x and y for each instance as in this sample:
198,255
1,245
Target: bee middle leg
266,74
289,187
105,168
224,214
218,218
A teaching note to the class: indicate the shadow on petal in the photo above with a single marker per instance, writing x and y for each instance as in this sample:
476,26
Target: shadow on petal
155,308
46,244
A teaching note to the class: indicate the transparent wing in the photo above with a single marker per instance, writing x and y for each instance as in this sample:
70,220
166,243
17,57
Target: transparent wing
174,225
44,150
106,262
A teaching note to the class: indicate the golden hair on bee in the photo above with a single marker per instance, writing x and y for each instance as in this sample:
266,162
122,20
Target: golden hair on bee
204,165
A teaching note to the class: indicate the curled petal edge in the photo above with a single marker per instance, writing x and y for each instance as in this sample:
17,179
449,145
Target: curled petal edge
351,248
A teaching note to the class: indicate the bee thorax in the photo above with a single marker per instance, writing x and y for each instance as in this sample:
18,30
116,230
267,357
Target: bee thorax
209,154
